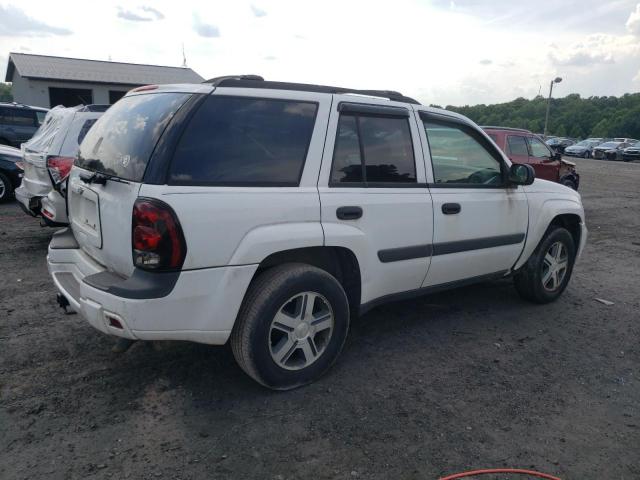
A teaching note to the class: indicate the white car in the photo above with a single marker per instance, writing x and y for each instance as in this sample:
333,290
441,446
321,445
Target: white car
267,214
48,157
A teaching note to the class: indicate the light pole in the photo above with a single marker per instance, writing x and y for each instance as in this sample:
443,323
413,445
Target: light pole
546,118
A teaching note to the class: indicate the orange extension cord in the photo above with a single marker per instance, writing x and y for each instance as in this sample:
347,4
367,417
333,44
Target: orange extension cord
519,471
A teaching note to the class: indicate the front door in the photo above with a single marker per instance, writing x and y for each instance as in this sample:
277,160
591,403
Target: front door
480,222
373,194
543,160
517,148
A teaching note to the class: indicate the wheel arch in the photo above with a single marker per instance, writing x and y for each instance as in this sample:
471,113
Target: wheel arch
340,262
557,212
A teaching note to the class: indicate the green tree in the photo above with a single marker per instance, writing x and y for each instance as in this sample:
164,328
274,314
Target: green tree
572,115
5,92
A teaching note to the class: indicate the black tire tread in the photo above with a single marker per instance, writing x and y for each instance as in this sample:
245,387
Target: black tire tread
261,288
526,281
8,188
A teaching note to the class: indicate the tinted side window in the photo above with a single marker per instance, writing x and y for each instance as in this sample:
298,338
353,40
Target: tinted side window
517,145
85,128
388,152
458,158
382,145
347,162
25,118
244,141
40,115
538,149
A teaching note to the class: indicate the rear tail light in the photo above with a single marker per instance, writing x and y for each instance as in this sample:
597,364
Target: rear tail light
157,239
59,168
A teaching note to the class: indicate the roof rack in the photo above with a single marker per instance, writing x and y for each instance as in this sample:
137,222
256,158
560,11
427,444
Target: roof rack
256,81
493,127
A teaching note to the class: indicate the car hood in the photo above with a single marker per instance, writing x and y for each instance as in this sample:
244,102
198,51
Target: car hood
545,186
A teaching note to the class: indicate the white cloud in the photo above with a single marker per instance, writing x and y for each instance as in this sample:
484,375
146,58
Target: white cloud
203,29
15,22
496,54
595,49
258,12
633,22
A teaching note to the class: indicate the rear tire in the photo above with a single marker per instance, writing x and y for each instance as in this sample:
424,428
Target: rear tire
586,154
543,278
6,189
291,327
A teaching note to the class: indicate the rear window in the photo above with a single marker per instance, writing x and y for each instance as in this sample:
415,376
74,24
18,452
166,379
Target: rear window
122,140
18,117
244,141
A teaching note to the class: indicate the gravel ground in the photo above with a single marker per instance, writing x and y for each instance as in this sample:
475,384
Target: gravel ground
470,378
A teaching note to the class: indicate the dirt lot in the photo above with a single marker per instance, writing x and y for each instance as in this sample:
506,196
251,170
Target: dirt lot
471,378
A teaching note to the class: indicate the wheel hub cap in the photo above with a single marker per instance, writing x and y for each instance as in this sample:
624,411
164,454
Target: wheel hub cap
301,330
554,266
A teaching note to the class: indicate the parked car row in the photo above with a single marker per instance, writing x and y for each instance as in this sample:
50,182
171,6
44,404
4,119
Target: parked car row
599,148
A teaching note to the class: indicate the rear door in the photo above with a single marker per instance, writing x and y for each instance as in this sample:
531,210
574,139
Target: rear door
373,195
480,222
517,148
117,147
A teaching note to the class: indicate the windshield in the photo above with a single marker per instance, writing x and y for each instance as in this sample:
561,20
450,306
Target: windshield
122,140
609,145
584,143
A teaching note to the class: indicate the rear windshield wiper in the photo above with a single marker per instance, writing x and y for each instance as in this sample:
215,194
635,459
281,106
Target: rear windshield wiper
100,178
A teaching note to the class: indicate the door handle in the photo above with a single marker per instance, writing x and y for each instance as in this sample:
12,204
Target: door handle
349,213
451,208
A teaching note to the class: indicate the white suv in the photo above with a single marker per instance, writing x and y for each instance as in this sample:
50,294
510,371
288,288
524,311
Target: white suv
270,213
48,157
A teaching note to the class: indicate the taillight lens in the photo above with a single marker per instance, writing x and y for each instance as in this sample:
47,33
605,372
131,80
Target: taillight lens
157,239
59,168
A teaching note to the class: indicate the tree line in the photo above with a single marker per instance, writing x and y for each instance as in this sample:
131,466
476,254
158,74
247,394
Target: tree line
571,116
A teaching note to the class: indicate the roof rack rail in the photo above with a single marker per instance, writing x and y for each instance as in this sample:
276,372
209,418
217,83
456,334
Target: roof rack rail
514,129
256,81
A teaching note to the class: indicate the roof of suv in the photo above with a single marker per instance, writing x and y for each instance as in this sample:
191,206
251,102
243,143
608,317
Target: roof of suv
509,129
256,81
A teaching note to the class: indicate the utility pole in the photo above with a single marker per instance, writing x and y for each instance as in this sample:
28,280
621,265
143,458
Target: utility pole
546,118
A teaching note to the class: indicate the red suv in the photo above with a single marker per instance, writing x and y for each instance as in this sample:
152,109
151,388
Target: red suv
522,146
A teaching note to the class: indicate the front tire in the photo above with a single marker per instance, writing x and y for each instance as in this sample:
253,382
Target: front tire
547,272
291,327
586,154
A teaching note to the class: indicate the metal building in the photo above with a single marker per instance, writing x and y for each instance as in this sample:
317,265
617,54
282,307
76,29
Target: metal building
46,81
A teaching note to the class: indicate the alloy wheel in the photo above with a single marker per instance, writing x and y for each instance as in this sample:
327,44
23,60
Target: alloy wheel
554,266
301,330
3,189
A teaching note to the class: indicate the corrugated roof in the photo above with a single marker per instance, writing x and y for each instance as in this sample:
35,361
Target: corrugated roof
96,71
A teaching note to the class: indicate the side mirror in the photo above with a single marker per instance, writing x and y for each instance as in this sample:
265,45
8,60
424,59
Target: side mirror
521,174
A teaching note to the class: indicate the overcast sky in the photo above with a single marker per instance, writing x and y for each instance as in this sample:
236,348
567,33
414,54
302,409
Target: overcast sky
440,51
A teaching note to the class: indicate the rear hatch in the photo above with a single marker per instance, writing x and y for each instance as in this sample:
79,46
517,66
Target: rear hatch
108,173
